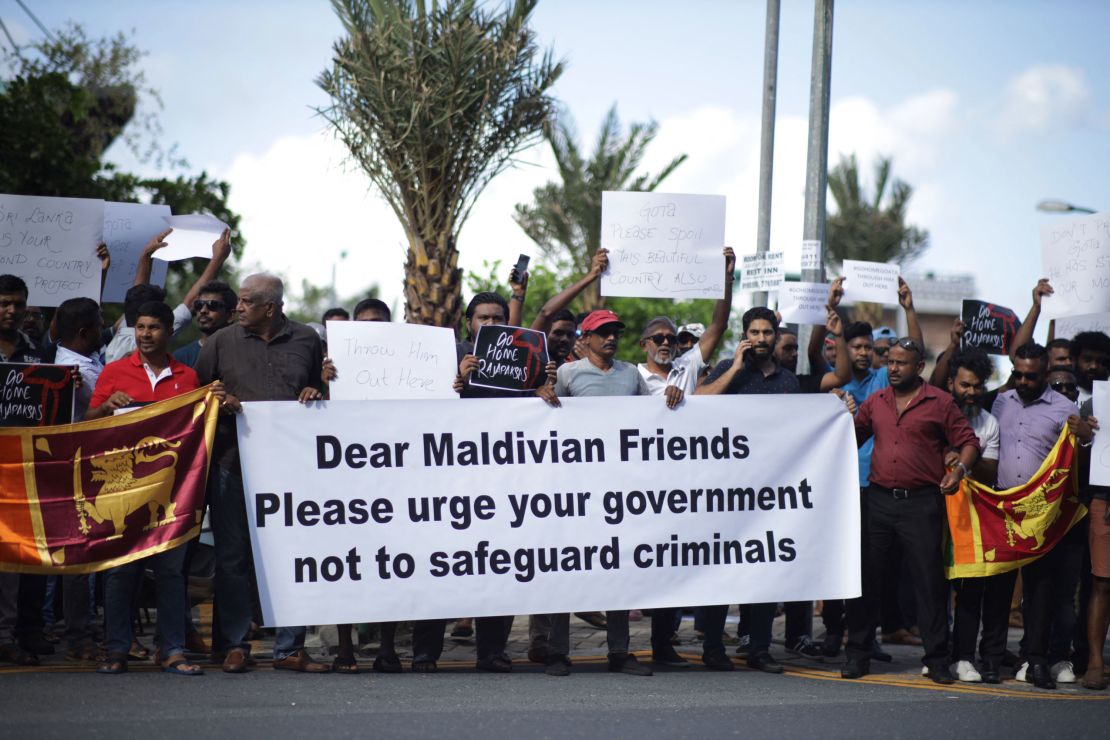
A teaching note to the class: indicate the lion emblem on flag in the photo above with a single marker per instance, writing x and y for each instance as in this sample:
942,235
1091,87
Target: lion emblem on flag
121,493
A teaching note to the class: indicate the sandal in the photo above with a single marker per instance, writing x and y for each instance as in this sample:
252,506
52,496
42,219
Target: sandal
137,651
84,655
178,666
15,654
113,666
344,665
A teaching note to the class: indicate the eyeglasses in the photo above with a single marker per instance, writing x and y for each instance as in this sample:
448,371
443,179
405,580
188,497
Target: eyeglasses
1031,377
609,331
200,305
1060,386
881,351
663,338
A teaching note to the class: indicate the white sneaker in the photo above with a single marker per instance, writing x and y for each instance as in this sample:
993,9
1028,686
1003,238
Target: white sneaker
965,671
924,670
1063,672
1020,675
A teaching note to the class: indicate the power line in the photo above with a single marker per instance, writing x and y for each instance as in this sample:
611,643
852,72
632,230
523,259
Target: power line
7,33
44,29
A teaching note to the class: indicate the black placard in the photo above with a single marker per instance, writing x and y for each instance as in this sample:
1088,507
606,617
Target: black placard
510,358
988,326
35,395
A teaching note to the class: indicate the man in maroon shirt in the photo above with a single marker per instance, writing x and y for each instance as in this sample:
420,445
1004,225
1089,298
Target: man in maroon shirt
914,425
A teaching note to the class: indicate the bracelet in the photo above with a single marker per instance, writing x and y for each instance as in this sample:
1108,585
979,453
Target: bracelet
962,467
516,298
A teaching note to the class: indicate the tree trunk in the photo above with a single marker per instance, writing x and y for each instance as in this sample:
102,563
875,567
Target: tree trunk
433,285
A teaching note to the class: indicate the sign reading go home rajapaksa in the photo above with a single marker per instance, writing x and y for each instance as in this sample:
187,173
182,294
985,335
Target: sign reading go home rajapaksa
84,497
393,510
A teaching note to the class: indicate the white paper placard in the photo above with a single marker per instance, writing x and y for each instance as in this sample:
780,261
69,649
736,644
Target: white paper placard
811,254
193,236
1068,326
762,271
51,244
663,245
380,360
128,227
804,303
1075,255
1100,449
369,511
870,282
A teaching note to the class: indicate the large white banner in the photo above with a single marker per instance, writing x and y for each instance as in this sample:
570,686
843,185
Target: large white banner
364,511
663,245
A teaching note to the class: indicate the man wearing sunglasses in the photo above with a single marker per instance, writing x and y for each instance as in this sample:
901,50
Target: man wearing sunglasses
913,425
881,341
214,308
1031,417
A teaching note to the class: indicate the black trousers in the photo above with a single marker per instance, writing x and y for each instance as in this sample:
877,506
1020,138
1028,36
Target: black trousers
914,522
662,626
982,600
427,639
491,635
799,621
1048,599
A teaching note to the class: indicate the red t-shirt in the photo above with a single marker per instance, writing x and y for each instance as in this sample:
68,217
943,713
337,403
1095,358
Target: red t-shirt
127,374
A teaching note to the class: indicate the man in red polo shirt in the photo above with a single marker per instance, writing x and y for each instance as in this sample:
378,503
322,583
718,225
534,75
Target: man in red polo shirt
148,374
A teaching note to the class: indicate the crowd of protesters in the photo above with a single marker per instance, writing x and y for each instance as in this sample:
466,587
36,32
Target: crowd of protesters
917,439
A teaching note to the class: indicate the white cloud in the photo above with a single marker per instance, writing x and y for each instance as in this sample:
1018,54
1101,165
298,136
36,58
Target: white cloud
1044,97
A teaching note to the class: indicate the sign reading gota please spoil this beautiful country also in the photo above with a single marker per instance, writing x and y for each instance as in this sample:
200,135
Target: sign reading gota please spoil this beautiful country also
394,510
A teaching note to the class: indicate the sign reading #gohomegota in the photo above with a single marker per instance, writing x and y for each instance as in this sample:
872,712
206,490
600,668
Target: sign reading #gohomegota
368,511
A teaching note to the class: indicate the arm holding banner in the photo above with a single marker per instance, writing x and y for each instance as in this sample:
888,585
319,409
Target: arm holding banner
842,373
711,337
1025,333
939,378
816,349
146,259
905,300
221,250
105,258
558,302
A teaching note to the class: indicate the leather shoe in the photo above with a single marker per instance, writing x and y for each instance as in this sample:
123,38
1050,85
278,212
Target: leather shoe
764,661
235,661
830,646
718,662
666,655
877,653
626,663
990,675
387,663
424,666
855,668
1040,676
536,655
940,673
301,662
557,665
495,664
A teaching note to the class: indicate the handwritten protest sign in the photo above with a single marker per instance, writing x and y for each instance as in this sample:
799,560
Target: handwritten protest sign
35,395
988,327
762,271
127,229
804,303
663,245
193,236
1100,448
510,358
51,244
811,254
377,359
1075,254
1069,326
870,282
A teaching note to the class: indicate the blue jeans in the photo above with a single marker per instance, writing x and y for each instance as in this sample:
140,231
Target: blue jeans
233,586
759,631
170,600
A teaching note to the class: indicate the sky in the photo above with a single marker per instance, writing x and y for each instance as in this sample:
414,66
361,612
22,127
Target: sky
987,108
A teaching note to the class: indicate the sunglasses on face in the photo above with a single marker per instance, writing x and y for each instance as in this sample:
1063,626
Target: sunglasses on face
1031,377
200,305
1061,387
881,351
663,338
609,331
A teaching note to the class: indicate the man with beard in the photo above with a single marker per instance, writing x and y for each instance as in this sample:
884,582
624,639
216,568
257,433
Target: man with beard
1031,417
752,370
1090,350
913,425
213,309
987,597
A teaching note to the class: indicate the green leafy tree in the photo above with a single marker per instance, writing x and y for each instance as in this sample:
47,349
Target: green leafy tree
564,217
871,228
432,104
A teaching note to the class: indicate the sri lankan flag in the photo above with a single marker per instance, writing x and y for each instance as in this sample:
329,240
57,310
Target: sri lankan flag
993,531
84,497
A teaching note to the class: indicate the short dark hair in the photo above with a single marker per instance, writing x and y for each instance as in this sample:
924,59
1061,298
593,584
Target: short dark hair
74,315
972,359
759,313
10,284
138,296
219,287
1094,341
858,329
373,304
486,297
1030,351
564,314
331,313
1062,343
156,310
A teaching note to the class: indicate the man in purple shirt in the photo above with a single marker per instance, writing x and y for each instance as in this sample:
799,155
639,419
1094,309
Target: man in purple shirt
1031,417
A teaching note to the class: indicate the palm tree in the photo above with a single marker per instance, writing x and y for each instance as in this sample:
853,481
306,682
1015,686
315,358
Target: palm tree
433,104
564,218
875,228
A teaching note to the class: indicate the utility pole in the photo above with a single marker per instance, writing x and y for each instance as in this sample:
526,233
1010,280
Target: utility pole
817,161
767,135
